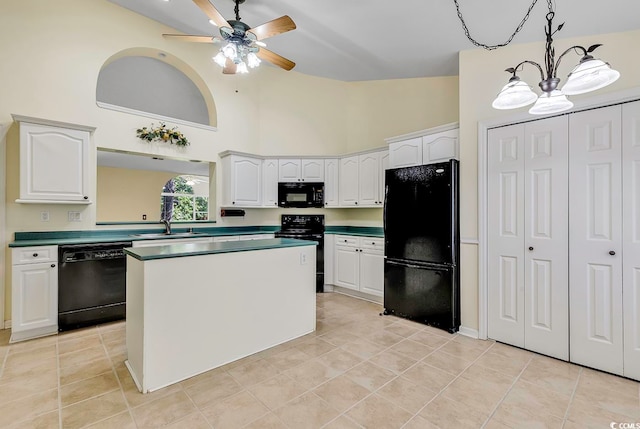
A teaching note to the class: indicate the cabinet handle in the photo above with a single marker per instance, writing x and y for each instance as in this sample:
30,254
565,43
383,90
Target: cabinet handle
373,242
356,203
53,265
86,198
612,253
35,255
233,202
345,241
530,248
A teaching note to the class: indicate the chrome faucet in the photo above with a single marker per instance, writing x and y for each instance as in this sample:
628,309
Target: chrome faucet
167,225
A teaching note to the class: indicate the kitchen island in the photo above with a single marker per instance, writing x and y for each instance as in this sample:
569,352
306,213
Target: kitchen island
196,306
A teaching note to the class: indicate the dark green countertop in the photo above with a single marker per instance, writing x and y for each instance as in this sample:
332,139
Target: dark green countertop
194,249
369,231
50,238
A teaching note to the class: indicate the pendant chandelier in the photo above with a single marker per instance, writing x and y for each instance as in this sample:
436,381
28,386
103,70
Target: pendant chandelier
589,75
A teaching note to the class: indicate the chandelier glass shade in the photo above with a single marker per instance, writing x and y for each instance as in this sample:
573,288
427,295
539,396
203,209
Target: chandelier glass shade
589,75
240,54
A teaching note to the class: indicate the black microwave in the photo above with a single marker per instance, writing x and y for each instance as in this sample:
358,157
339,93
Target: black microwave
301,194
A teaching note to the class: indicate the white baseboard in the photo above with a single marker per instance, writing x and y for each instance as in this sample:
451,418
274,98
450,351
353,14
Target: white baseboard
7,324
468,332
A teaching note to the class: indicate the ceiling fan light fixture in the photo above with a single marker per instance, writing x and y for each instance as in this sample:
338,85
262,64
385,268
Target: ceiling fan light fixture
514,94
230,51
551,102
242,68
220,59
589,75
252,60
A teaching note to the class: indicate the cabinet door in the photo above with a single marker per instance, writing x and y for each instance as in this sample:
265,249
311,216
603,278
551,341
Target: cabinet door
349,181
505,259
440,147
246,181
34,296
270,183
54,164
368,179
406,153
595,239
631,241
331,178
546,261
347,267
383,158
289,170
372,272
313,170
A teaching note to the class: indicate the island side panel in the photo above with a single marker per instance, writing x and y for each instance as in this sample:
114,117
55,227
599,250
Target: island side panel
202,312
135,319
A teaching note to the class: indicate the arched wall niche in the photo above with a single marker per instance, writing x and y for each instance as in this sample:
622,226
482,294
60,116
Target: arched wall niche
157,83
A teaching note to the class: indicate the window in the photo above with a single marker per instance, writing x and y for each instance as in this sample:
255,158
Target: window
185,198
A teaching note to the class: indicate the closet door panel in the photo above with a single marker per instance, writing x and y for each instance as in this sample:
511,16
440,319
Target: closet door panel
595,239
546,243
506,235
631,234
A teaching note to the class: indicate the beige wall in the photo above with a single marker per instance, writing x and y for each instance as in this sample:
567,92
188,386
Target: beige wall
481,77
125,194
53,52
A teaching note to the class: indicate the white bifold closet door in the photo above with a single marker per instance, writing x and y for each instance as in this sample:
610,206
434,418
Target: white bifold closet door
595,239
527,229
631,240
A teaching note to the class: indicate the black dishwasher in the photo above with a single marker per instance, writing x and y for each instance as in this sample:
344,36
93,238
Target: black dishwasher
91,284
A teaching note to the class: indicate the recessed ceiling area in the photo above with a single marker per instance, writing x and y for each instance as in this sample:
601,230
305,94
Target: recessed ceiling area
381,39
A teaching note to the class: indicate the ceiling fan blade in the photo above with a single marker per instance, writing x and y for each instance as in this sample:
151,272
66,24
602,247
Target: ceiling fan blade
190,38
273,28
212,13
229,67
275,59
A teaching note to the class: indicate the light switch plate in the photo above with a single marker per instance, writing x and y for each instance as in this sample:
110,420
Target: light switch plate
44,216
303,259
74,216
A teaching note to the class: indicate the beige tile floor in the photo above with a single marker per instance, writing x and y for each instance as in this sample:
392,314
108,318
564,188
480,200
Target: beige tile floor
358,370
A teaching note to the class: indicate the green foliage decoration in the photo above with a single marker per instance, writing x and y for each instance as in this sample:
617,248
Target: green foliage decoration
162,133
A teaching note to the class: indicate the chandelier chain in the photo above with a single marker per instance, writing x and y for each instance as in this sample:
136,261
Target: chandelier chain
517,30
237,10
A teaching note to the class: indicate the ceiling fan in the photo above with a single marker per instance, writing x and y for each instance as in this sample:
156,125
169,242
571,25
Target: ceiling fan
244,45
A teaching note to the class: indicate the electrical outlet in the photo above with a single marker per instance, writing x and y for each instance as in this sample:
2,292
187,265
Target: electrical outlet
303,259
44,216
74,216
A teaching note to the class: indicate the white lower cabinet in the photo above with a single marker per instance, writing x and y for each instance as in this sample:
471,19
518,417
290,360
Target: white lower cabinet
359,264
34,303
168,241
242,237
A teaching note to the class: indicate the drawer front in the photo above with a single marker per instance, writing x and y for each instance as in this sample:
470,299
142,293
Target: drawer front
34,255
376,243
225,238
347,240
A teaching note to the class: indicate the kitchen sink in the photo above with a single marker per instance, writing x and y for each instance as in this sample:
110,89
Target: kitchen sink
165,235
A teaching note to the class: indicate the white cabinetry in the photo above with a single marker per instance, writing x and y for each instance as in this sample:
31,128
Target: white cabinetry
349,181
245,237
54,162
34,301
301,170
270,182
359,263
242,181
169,241
371,172
331,182
436,145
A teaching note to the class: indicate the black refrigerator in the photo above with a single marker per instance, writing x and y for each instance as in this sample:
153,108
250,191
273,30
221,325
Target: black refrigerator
422,244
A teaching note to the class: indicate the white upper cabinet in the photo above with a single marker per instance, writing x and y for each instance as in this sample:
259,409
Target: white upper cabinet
331,182
434,145
349,181
242,181
270,183
301,170
405,153
371,178
54,162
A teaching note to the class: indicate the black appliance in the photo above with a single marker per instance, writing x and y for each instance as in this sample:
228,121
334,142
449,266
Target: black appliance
306,227
91,284
422,244
301,194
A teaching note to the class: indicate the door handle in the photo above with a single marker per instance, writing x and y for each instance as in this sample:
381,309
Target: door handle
612,253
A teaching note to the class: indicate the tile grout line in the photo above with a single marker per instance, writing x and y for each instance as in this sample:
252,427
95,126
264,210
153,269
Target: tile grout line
195,405
495,408
59,373
573,395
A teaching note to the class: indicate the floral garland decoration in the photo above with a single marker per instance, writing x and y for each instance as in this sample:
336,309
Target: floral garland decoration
162,133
